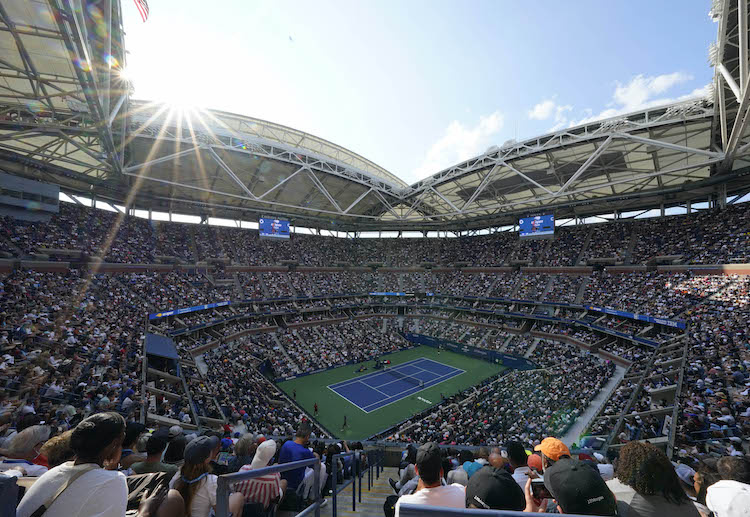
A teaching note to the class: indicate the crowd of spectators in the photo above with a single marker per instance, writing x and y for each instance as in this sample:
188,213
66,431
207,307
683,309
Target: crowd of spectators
608,240
523,405
518,344
704,237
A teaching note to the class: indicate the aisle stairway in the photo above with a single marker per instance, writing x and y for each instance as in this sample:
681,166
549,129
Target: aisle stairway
372,500
583,421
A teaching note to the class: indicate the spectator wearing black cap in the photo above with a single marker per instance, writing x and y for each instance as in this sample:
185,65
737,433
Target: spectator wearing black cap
174,454
655,488
492,488
577,488
430,490
196,484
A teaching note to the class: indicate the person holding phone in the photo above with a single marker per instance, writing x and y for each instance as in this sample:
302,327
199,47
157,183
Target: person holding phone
574,486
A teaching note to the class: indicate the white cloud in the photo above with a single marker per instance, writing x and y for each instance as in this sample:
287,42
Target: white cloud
549,109
640,90
543,110
459,143
642,93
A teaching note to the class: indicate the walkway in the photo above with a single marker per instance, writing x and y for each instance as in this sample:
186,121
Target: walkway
372,500
582,422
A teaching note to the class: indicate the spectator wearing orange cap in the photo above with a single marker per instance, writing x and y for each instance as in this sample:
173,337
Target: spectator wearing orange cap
552,451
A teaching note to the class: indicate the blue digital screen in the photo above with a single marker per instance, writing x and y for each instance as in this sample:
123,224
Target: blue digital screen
273,228
537,226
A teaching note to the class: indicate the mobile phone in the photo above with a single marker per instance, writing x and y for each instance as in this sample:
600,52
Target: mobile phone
538,490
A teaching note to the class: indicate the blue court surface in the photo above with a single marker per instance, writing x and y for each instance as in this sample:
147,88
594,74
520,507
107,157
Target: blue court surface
375,390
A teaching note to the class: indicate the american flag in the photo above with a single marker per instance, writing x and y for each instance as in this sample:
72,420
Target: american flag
142,7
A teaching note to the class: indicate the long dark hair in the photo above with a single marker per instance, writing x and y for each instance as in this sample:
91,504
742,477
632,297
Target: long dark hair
191,477
648,471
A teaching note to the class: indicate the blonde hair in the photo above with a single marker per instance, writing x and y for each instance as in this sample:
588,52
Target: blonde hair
57,449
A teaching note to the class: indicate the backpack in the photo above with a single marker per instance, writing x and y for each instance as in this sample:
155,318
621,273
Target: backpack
140,484
389,507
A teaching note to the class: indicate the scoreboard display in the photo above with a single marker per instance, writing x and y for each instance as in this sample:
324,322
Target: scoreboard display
273,228
537,226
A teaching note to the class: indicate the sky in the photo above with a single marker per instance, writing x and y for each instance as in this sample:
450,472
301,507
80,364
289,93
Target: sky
418,86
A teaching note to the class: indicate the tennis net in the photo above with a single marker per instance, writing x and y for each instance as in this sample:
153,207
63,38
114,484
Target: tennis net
401,375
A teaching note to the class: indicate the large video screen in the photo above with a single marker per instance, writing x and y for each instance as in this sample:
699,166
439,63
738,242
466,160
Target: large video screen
273,228
537,226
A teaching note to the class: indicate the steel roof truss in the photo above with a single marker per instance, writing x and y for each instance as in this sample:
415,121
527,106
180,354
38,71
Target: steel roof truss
524,176
226,168
387,205
441,196
356,201
282,182
591,159
161,159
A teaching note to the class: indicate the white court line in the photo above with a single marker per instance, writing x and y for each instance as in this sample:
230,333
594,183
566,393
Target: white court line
441,364
410,375
349,401
367,386
428,371
407,392
435,382
373,374
402,395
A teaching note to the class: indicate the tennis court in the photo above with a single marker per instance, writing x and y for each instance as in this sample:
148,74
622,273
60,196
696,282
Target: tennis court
379,389
315,390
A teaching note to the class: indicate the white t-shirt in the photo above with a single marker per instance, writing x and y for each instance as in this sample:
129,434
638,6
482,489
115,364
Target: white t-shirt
521,476
728,498
452,496
204,498
97,493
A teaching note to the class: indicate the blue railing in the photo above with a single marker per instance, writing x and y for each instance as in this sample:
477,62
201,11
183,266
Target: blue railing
375,460
354,472
227,480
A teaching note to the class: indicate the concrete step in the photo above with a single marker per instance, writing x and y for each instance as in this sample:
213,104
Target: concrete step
372,500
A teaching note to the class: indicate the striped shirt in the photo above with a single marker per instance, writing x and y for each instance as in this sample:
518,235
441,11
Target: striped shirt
263,489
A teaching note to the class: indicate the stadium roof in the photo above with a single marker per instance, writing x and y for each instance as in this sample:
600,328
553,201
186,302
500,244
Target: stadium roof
66,117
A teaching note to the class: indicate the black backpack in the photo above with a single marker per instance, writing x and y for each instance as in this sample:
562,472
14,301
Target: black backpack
389,507
140,484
